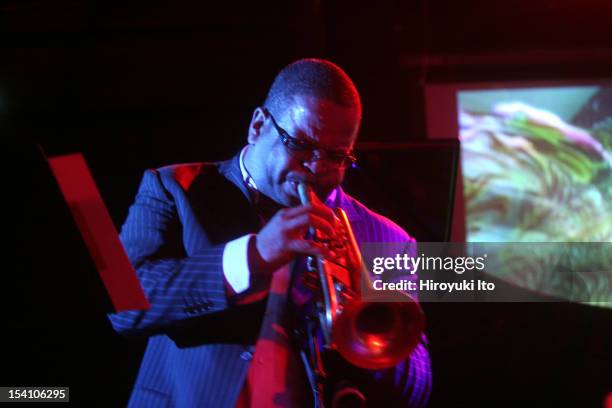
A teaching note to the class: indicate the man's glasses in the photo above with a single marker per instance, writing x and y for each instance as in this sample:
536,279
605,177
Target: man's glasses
307,152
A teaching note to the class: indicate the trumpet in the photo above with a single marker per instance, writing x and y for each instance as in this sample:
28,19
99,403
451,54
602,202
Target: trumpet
369,335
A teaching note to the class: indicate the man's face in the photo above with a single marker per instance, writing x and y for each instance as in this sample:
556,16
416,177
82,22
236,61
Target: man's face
276,170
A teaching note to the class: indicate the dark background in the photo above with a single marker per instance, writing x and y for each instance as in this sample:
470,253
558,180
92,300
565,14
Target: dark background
142,84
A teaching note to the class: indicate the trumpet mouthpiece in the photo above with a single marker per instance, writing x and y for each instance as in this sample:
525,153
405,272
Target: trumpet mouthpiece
304,191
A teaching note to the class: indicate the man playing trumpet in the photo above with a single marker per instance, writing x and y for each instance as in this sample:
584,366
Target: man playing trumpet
211,243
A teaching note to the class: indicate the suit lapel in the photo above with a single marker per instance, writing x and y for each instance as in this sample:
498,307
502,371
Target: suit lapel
230,169
221,203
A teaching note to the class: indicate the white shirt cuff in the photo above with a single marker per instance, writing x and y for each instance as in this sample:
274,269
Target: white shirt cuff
235,263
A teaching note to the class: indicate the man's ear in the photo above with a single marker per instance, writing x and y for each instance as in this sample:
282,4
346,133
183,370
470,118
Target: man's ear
257,122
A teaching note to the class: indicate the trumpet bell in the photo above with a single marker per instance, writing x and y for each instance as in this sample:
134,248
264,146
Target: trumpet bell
377,335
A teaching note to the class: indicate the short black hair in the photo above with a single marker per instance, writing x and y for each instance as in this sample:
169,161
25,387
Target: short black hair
312,77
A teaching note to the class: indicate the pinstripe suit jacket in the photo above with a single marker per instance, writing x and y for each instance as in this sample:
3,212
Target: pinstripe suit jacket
200,344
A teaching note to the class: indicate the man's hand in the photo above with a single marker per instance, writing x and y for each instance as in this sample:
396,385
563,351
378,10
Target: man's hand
284,236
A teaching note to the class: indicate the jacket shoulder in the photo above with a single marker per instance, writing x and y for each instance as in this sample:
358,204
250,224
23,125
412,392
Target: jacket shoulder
184,173
360,212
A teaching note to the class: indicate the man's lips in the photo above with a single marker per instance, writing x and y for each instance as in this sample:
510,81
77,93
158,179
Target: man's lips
293,187
295,180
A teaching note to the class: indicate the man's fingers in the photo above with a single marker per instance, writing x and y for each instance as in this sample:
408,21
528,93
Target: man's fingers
303,221
309,248
318,209
283,236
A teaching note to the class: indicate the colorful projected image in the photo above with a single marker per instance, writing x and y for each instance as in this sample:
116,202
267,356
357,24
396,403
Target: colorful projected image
537,167
537,164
